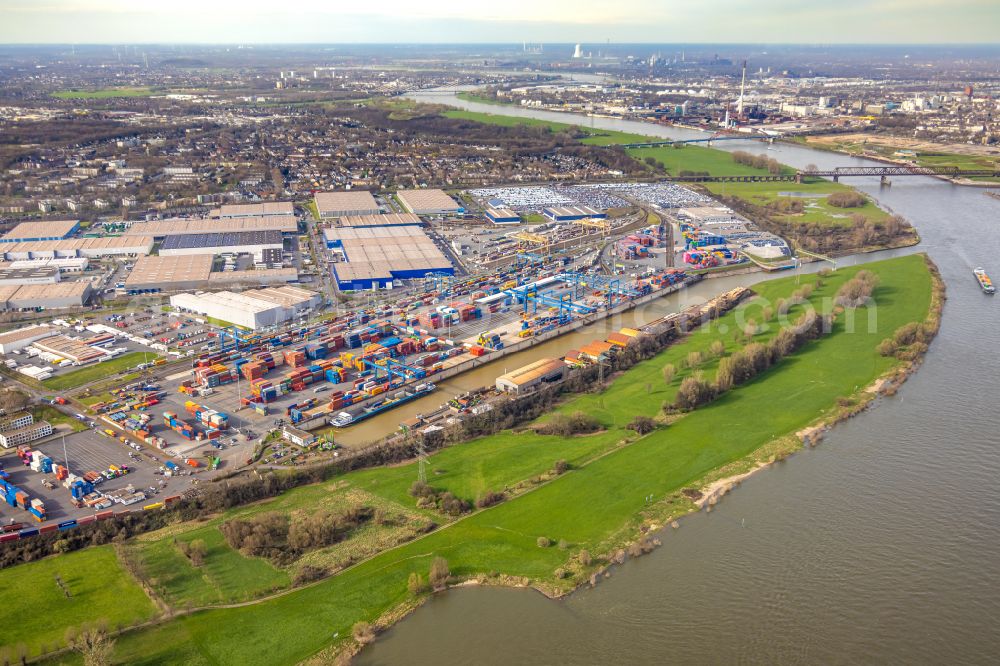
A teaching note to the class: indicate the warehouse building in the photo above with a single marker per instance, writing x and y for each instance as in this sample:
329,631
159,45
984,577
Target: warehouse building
286,224
20,338
342,204
37,275
45,296
91,248
251,309
376,257
71,349
429,202
387,220
533,376
41,231
236,242
570,213
502,216
257,209
64,264
192,271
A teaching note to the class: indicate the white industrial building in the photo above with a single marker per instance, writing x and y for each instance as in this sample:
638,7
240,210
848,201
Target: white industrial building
235,242
20,338
251,309
92,248
257,209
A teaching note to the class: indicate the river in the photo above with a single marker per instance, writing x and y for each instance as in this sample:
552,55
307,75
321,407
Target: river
881,545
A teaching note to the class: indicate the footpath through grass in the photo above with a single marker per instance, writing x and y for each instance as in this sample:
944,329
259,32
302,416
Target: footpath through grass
598,505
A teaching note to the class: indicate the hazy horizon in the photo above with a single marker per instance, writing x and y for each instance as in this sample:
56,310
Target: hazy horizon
896,22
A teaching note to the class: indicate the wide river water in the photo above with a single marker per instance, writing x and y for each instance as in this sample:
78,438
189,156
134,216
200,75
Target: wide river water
881,545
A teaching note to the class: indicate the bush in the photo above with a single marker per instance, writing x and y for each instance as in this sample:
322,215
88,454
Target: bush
439,573
694,392
584,558
717,348
543,542
694,359
907,334
669,372
577,423
363,633
489,498
856,291
416,584
561,467
642,425
887,347
308,573
846,199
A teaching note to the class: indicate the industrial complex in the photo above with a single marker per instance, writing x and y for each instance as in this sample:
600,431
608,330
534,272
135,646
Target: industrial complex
428,202
342,204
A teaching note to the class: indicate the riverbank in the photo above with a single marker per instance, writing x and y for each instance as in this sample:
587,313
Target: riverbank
598,505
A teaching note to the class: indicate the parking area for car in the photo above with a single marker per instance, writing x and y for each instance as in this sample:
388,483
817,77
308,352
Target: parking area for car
88,451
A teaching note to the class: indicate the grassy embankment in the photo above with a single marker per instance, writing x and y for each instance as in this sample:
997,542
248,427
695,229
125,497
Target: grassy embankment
599,505
760,198
91,373
473,97
103,93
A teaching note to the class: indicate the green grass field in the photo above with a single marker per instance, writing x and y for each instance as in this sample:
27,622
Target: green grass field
103,93
225,577
55,417
37,611
816,210
596,505
91,373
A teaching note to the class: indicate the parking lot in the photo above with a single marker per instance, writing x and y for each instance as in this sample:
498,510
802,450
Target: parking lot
89,451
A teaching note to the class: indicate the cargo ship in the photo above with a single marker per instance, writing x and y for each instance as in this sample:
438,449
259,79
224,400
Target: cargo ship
344,419
985,283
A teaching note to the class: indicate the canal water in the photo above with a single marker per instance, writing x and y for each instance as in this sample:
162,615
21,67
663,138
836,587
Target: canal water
881,545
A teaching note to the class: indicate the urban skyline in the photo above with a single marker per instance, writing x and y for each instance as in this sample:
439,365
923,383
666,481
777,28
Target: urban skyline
437,21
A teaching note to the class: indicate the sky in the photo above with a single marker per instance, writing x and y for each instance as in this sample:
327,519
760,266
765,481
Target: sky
500,21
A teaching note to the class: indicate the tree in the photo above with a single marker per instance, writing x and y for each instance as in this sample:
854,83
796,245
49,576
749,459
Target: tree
642,425
694,392
13,401
584,558
415,584
694,359
196,552
363,633
93,642
669,372
543,542
439,574
718,348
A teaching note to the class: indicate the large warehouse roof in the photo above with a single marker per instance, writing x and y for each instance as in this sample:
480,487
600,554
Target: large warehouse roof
387,220
257,209
166,270
429,201
58,295
35,230
352,202
161,228
386,253
86,246
224,239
